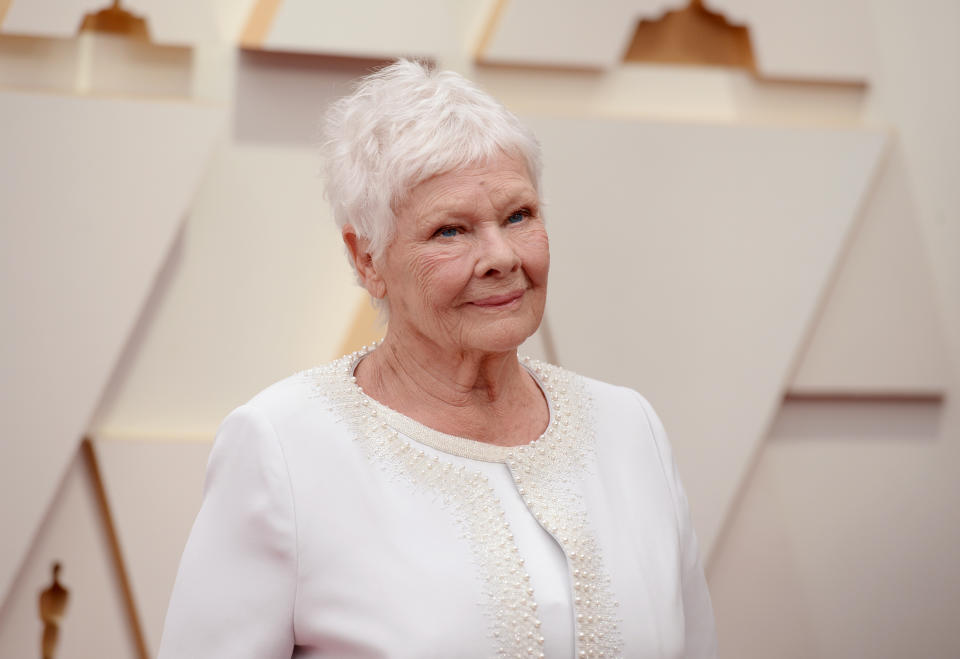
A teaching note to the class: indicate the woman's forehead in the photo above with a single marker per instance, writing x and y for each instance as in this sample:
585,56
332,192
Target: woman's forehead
463,196
500,180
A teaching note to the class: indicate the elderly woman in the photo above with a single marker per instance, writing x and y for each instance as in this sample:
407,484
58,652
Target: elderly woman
435,495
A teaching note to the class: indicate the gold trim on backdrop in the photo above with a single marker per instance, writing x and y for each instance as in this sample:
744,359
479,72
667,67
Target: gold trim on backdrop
493,19
877,398
365,329
116,20
692,35
133,618
4,8
259,23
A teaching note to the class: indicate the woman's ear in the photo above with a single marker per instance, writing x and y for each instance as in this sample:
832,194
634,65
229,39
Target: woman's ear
367,270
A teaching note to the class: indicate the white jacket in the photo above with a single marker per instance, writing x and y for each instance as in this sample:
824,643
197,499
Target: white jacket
332,526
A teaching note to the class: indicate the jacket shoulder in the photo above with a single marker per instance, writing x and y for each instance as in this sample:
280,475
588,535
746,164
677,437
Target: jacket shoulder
304,400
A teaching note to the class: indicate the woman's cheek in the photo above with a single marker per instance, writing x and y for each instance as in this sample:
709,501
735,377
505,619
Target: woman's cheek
440,268
536,251
440,258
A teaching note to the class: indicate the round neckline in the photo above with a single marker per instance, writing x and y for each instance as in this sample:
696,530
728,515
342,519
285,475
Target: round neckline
463,447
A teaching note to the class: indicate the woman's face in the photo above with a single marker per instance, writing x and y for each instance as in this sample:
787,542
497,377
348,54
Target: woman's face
468,267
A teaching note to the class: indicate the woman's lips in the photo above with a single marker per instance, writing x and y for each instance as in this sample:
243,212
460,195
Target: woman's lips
498,300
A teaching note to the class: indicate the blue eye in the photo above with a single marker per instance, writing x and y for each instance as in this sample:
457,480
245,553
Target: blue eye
518,216
447,232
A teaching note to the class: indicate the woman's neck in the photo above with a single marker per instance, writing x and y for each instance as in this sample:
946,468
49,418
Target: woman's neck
485,396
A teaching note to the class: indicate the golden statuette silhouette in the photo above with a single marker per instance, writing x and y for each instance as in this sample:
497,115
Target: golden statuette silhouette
53,605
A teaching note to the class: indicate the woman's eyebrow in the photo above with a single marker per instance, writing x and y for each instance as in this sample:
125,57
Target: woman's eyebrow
516,196
503,199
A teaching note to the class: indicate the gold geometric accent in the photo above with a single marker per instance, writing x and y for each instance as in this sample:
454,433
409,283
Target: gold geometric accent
367,328
110,529
693,35
116,20
259,23
493,20
4,7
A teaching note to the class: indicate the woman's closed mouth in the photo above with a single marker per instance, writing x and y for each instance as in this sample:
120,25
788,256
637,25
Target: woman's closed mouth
498,301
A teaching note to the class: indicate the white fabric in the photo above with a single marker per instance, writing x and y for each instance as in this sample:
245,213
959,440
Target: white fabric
315,540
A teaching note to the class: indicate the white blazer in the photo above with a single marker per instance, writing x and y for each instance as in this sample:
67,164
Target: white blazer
332,526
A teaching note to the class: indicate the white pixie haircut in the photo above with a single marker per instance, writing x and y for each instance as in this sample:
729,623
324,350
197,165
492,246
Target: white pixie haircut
402,125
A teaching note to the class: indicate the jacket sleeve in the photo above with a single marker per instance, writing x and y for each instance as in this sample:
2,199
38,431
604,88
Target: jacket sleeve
699,626
235,591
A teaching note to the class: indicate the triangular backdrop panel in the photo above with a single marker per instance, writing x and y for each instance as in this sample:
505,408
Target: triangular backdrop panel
154,489
94,191
360,28
783,33
596,35
879,332
173,22
96,622
262,287
547,33
815,521
48,18
716,243
261,290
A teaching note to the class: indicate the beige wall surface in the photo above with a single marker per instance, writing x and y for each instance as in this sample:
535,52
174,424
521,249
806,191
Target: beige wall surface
828,493
95,620
716,242
91,206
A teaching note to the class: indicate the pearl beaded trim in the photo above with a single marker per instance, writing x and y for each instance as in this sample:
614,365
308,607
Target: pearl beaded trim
545,471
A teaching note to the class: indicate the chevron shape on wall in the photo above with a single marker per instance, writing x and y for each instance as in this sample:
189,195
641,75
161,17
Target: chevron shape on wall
78,255
710,283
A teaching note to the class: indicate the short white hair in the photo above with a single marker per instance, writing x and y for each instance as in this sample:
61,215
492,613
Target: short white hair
402,125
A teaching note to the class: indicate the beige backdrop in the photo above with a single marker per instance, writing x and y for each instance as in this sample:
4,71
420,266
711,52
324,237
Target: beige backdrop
772,257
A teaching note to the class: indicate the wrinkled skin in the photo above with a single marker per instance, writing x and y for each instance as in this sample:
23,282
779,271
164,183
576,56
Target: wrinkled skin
465,280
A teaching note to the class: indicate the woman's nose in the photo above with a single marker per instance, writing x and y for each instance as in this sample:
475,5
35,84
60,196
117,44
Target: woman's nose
497,254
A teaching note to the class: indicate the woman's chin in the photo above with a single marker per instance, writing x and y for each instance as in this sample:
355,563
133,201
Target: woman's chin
505,336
